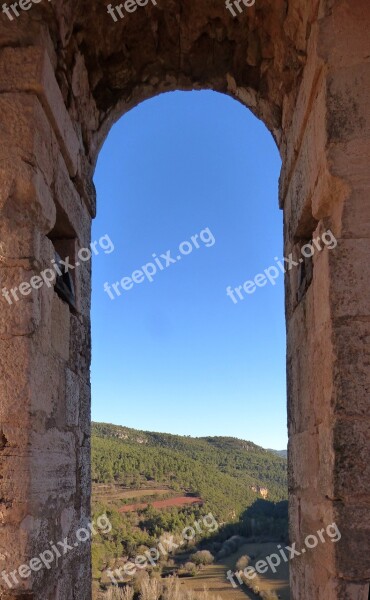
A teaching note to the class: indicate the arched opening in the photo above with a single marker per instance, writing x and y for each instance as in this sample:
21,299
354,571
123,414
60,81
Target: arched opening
66,74
174,352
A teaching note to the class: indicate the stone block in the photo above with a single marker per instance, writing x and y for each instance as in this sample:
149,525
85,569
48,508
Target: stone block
60,327
54,465
15,485
80,345
297,185
46,390
27,133
352,450
295,117
15,373
348,108
83,288
310,355
30,70
26,199
349,269
20,315
350,161
84,474
85,409
352,556
351,341
19,241
64,589
310,580
72,398
343,40
348,590
311,460
82,587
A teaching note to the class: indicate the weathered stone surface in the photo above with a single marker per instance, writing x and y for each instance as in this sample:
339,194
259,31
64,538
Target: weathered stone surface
353,591
30,70
351,212
60,331
350,272
353,522
72,398
67,73
53,464
352,451
352,372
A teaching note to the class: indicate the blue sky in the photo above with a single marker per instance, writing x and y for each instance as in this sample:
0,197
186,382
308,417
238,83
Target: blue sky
176,354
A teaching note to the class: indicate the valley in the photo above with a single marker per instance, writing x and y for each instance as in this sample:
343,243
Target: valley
157,487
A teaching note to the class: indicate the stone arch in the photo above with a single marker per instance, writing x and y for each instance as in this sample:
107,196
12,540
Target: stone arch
67,72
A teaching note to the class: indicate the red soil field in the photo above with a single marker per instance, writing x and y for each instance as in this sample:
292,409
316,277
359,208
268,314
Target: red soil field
177,501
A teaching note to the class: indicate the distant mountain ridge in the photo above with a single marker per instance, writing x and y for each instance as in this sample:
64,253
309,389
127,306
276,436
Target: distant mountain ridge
170,439
282,453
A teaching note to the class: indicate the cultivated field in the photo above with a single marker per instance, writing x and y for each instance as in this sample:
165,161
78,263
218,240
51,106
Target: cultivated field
176,501
214,576
113,493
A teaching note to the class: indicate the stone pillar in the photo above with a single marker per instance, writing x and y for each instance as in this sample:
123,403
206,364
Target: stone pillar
325,185
348,88
45,343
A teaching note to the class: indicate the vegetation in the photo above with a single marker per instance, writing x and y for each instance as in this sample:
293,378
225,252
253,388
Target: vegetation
242,563
224,472
202,557
153,589
131,457
190,569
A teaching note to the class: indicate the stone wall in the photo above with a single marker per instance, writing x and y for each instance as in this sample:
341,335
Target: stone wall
67,72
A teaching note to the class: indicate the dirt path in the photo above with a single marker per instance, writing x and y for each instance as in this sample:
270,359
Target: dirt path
214,579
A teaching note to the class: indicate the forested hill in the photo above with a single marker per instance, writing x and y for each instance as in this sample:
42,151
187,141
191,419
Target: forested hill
227,473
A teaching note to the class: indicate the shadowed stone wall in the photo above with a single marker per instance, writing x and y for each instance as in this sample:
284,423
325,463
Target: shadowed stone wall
67,72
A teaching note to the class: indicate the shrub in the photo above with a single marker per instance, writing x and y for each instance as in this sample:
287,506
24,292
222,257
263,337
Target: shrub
139,578
172,589
202,557
230,546
190,568
151,589
125,593
242,563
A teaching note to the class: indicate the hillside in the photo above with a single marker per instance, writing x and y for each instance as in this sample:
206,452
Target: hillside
281,453
155,484
226,472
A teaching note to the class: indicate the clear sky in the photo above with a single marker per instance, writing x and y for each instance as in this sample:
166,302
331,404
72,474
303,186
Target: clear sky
176,354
